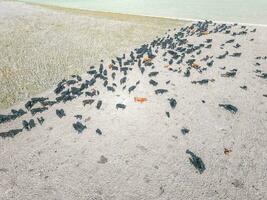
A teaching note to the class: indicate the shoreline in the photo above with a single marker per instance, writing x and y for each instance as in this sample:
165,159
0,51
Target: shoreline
57,7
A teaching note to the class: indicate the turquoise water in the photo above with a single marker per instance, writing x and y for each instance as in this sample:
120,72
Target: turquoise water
244,11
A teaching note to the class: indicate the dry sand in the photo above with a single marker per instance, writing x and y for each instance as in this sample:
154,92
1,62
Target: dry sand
40,45
141,153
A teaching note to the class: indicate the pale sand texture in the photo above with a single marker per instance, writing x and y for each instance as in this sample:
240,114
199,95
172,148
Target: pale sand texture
41,45
145,150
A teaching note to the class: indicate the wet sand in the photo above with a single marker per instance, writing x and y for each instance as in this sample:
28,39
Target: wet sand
40,45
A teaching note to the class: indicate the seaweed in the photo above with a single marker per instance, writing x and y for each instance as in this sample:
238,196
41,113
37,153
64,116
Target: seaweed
196,162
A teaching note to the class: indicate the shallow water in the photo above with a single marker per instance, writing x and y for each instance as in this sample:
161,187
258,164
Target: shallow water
245,11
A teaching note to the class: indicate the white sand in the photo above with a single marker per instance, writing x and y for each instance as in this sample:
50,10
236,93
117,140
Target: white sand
145,150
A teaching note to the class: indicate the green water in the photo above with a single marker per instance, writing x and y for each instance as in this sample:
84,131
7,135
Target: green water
244,11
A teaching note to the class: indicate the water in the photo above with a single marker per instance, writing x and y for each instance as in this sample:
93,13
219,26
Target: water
242,11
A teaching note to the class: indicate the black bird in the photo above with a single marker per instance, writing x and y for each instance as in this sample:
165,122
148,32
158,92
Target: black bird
196,161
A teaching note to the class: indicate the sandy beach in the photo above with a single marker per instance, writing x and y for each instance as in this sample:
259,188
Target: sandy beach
40,45
181,116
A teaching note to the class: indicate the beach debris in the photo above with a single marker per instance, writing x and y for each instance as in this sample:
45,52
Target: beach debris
78,126
41,120
99,104
140,99
28,125
196,161
229,107
227,151
120,105
98,131
102,160
60,113
172,102
184,131
10,133
160,91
